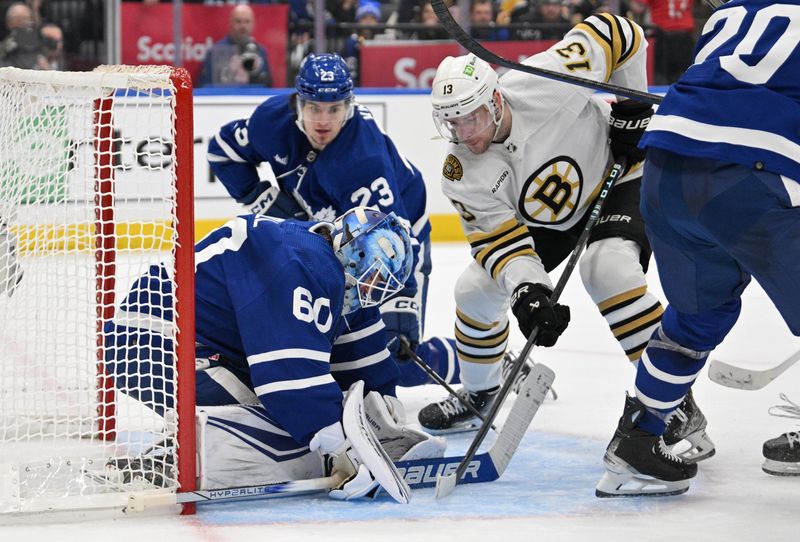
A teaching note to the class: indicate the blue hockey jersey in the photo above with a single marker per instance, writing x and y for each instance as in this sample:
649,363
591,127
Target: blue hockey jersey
740,100
361,166
268,297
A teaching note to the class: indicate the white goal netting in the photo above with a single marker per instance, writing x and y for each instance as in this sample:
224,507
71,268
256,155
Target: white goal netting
89,189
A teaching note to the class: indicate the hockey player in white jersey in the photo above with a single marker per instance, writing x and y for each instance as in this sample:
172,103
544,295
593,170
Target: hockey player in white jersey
526,161
287,318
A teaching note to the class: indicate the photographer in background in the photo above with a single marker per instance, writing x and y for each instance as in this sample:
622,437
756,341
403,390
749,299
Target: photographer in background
22,46
237,59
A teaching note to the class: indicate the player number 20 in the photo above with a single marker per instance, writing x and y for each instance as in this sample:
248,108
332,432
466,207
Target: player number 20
307,309
732,19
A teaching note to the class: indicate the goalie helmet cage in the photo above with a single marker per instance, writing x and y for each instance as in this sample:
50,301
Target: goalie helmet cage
96,175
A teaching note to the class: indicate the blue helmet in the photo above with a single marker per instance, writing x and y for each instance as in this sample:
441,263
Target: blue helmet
375,251
324,78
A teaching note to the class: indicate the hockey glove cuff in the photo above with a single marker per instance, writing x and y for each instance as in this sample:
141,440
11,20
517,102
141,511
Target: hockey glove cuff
530,303
401,318
272,201
628,121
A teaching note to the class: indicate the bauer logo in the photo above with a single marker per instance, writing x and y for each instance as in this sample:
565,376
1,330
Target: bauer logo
416,475
452,169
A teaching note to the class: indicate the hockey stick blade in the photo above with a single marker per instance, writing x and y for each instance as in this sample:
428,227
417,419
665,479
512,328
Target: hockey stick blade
529,399
740,378
471,45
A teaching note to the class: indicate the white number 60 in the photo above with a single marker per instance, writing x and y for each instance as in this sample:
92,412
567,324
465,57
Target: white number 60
307,309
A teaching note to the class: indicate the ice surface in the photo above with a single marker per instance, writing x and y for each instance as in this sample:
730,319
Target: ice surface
547,493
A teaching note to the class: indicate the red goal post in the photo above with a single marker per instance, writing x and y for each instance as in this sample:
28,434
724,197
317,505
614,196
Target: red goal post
77,227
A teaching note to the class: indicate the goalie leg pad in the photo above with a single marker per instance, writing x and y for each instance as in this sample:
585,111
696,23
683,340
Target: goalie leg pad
240,446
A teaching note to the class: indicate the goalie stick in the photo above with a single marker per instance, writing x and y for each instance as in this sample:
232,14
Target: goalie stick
418,473
447,483
740,378
471,45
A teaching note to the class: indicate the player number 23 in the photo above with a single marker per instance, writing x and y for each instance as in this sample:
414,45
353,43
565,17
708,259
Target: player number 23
307,309
380,185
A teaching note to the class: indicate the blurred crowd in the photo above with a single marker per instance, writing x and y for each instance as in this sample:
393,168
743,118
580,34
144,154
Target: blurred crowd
65,34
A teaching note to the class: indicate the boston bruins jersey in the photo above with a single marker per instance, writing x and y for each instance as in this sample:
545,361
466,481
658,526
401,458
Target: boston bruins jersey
552,165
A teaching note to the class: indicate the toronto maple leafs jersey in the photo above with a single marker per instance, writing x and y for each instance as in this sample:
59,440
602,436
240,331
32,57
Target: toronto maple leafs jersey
361,166
740,100
268,296
551,167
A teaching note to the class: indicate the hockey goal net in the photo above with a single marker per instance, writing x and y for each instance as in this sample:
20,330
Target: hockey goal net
96,182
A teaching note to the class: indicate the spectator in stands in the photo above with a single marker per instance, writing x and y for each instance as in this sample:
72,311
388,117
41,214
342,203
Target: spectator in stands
546,20
674,47
482,24
22,47
368,14
237,59
53,46
583,9
433,30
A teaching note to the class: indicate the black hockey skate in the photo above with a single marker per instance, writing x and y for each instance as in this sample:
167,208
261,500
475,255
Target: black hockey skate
638,463
688,423
508,361
782,454
451,416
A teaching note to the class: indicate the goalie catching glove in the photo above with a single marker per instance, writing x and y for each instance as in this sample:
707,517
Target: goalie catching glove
354,455
628,121
272,201
530,303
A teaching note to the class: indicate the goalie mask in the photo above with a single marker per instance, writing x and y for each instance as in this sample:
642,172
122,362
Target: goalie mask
375,251
324,97
463,98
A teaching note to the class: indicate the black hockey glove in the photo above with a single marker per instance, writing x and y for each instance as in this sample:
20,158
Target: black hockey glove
628,121
530,303
272,201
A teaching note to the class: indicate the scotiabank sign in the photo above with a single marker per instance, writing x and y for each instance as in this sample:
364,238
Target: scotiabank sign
147,34
412,64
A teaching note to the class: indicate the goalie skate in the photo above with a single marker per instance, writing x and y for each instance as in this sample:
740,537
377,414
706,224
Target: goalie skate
451,416
639,464
155,468
688,424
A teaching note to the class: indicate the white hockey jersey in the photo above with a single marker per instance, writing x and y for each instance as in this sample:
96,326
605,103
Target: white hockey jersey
551,167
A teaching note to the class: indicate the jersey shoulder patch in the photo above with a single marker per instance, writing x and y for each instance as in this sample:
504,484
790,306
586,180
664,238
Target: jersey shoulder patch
452,169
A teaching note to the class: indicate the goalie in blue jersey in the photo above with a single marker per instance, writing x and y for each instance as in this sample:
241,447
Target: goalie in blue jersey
327,154
287,319
721,202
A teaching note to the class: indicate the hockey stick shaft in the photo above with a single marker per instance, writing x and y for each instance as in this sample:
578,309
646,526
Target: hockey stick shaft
405,347
470,44
740,378
616,172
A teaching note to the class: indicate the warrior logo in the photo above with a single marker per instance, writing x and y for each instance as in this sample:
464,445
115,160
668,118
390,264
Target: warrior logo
452,169
552,193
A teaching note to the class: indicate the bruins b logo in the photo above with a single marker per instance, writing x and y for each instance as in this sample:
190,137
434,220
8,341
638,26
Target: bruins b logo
552,193
452,169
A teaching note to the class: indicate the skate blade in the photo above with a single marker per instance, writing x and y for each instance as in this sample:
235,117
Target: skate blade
464,427
636,485
700,447
780,468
